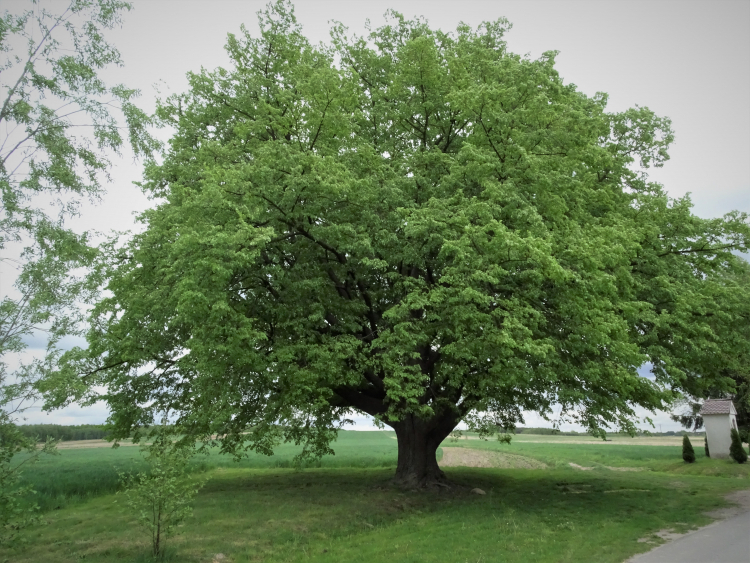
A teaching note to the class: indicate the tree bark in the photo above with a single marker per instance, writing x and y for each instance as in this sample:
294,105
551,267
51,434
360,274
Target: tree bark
418,441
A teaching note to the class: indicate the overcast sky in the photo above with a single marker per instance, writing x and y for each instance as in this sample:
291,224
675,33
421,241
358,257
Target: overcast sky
687,60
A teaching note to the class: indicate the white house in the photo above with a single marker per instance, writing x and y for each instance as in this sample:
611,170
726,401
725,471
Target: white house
719,417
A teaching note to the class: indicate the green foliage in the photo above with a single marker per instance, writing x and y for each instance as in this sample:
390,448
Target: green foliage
688,454
58,123
705,446
162,497
50,93
414,224
736,451
735,356
16,514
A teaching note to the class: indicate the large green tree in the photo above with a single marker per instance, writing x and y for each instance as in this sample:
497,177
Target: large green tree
416,225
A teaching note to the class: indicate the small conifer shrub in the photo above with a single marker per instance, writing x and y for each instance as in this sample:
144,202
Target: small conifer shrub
736,451
705,446
688,454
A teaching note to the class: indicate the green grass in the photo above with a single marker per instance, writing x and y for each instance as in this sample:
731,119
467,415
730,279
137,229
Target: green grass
346,511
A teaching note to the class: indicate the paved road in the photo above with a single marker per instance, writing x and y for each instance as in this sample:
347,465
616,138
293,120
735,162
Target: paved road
725,541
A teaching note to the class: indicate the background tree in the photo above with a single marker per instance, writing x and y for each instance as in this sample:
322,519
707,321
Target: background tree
58,122
417,225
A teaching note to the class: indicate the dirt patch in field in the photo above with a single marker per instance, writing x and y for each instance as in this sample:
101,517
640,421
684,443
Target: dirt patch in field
582,468
465,457
741,500
667,534
78,444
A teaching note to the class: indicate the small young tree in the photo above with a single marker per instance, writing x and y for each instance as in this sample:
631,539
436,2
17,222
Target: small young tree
688,454
705,446
161,498
736,451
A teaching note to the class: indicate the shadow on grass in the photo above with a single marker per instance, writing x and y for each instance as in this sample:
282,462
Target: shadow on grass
351,515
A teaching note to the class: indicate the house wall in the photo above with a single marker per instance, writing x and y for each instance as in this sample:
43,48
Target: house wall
718,431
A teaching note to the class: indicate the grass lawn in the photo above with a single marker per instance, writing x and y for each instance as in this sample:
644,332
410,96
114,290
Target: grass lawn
345,511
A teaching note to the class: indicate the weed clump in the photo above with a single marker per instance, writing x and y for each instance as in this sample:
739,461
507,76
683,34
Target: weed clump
736,451
688,454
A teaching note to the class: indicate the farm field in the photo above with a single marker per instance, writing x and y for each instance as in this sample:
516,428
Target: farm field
537,507
612,439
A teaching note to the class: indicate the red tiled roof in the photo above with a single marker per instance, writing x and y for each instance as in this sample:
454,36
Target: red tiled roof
718,406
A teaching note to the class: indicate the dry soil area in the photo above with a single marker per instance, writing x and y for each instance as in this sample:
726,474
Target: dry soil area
78,444
465,457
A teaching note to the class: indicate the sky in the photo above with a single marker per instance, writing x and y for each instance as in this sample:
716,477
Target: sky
687,60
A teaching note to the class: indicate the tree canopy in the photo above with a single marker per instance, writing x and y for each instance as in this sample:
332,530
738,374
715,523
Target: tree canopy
59,123
735,362
417,225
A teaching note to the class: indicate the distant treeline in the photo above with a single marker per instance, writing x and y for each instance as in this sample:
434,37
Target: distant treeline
63,433
556,432
544,431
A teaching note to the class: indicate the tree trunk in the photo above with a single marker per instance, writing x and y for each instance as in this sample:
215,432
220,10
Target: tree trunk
418,441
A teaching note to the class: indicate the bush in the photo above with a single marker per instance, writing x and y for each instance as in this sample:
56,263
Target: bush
14,514
161,498
736,451
688,454
705,446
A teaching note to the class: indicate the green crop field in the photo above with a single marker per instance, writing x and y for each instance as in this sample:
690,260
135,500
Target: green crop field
79,474
344,510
